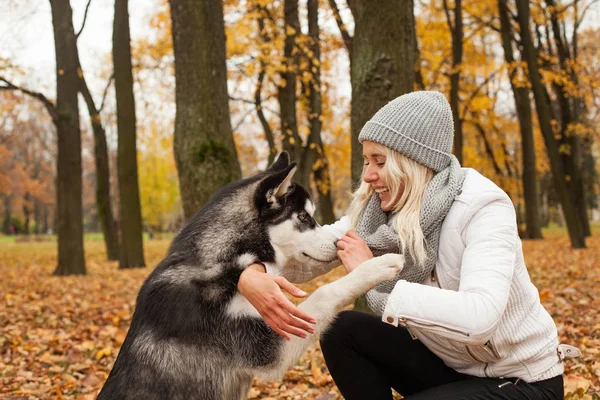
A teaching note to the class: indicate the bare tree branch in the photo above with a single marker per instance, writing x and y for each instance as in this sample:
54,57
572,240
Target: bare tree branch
447,11
254,103
488,146
580,19
261,115
87,7
342,27
476,92
47,103
241,121
110,80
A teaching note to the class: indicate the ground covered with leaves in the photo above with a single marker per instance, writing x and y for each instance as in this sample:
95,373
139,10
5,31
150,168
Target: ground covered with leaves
60,335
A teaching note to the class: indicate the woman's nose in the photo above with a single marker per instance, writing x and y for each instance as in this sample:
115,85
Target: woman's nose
370,175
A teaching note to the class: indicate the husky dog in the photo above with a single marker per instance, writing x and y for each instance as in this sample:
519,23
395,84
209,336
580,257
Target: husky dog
192,335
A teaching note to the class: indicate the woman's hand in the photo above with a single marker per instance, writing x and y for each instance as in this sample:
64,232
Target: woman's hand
353,250
264,292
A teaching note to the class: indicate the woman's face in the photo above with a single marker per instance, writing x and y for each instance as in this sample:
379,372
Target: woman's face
376,175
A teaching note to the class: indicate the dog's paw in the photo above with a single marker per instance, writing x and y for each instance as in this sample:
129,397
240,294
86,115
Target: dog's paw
383,268
387,266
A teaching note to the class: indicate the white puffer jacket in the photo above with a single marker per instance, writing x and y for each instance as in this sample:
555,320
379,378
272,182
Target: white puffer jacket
479,312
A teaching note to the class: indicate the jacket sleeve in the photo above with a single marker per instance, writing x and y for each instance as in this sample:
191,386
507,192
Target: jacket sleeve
470,314
300,273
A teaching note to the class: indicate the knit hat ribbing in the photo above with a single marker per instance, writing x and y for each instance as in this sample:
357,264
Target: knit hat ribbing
418,125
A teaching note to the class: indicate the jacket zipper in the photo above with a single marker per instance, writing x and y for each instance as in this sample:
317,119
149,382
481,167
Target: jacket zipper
490,349
426,325
488,345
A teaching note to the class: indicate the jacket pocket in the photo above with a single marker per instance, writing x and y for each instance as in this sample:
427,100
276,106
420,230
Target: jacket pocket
486,353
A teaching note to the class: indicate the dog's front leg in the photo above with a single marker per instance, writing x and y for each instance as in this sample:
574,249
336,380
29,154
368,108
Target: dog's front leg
328,300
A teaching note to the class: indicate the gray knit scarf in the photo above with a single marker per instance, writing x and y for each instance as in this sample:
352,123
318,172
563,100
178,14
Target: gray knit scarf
375,227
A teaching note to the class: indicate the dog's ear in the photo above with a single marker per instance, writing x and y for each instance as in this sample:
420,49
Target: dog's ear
284,186
276,186
282,162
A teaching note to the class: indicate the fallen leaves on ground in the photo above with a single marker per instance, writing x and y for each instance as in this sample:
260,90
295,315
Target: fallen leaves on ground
60,335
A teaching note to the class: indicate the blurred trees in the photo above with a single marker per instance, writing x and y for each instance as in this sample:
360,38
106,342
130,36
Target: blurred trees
523,108
559,164
27,162
291,68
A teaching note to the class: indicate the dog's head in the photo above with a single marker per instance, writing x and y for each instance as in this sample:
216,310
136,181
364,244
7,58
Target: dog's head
287,211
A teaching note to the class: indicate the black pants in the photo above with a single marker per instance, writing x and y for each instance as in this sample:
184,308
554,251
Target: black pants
367,357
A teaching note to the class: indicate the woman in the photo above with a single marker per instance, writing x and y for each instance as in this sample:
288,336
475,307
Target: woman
463,319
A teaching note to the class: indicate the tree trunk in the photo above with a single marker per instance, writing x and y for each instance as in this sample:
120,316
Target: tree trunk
37,216
204,148
69,180
544,117
132,246
26,213
7,215
523,107
45,223
383,60
287,90
568,106
105,213
259,85
420,83
456,29
319,164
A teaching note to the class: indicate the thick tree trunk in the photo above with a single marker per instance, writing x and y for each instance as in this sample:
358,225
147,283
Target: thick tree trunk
319,164
523,106
287,90
204,148
132,246
69,181
544,117
105,213
383,59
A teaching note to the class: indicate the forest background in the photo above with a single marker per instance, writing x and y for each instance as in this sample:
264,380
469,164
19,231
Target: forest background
118,121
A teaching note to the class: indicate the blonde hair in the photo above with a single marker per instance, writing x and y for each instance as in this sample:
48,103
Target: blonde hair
406,175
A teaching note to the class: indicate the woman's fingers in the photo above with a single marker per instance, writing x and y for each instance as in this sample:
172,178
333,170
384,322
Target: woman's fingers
288,287
276,328
297,317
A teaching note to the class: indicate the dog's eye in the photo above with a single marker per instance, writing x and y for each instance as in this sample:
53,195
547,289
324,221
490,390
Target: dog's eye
303,217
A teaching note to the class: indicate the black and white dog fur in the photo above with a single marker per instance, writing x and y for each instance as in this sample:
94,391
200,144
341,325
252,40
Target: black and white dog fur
192,335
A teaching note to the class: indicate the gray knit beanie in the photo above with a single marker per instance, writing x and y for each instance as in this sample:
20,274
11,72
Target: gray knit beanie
418,125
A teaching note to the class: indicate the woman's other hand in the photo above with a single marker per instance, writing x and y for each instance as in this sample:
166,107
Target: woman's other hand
353,250
264,292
